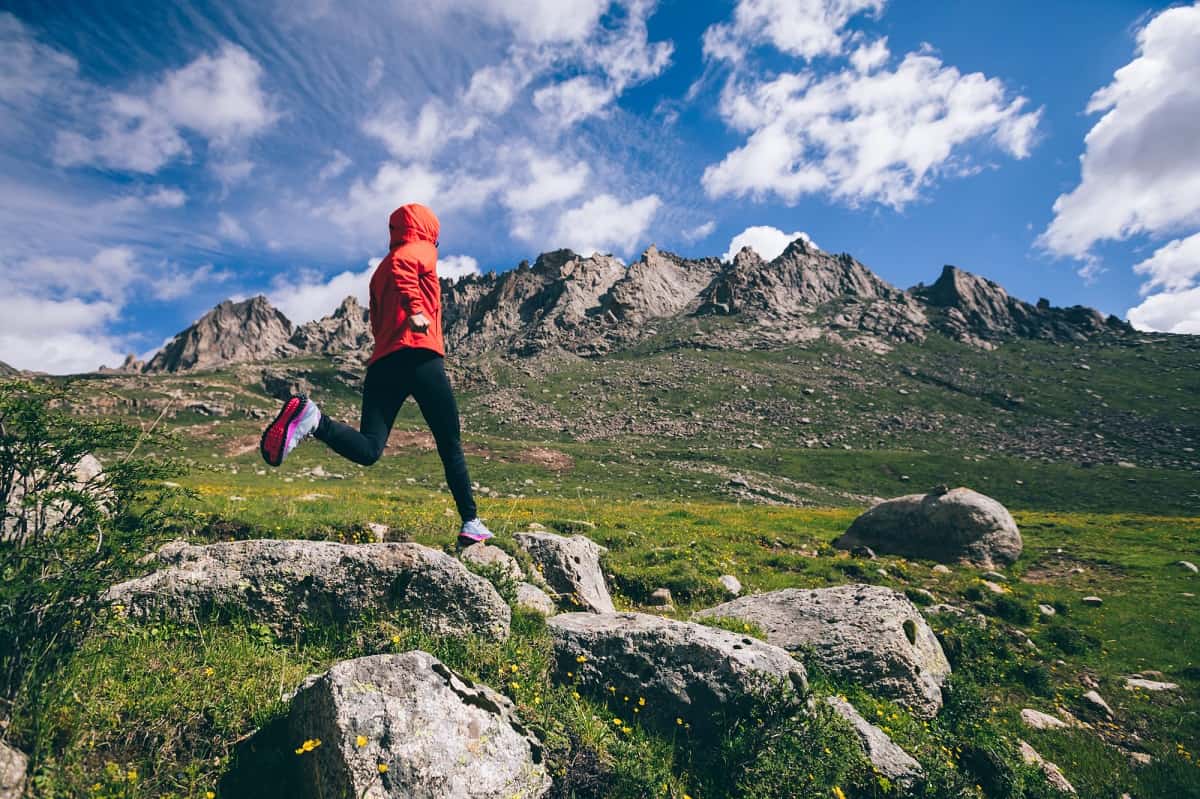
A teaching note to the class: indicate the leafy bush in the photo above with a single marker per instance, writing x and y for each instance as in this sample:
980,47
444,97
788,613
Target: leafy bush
64,537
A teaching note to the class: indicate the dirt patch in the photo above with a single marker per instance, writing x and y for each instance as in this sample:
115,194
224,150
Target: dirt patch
242,445
404,440
547,458
1058,567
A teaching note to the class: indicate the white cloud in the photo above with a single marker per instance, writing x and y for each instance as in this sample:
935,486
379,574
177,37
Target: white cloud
60,336
311,296
217,97
700,231
433,129
605,224
171,281
1173,267
804,28
167,197
457,266
374,72
550,182
108,275
229,228
338,164
862,137
540,21
769,242
29,68
1169,312
572,100
232,171
1141,164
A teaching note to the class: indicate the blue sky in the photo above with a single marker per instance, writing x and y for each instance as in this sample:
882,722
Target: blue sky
159,157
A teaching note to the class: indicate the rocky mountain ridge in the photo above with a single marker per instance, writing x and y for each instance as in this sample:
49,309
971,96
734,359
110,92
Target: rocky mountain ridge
593,305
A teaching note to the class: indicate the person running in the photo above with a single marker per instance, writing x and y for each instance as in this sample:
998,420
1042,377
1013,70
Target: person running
408,359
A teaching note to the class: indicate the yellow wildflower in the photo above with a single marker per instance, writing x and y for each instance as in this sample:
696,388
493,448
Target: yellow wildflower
361,741
383,769
839,793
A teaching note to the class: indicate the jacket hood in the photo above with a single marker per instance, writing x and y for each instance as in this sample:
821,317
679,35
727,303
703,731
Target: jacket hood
413,222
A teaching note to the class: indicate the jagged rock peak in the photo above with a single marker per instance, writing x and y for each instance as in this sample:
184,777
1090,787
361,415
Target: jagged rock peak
347,329
231,332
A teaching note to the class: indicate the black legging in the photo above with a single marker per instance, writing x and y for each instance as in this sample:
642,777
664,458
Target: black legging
389,382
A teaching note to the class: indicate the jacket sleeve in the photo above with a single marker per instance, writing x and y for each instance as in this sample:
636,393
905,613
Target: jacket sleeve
405,276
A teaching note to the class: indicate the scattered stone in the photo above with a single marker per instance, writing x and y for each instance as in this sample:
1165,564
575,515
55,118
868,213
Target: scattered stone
951,526
437,733
1139,759
532,598
941,568
1092,601
13,766
681,670
379,532
489,556
888,759
995,588
861,551
868,634
1188,566
289,585
660,597
1138,683
924,593
995,577
731,584
1041,721
1053,773
1046,610
571,567
1096,702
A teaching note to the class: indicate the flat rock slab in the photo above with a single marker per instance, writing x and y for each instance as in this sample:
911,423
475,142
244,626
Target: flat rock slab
291,584
682,670
948,526
487,556
438,734
868,634
888,759
12,772
532,598
571,568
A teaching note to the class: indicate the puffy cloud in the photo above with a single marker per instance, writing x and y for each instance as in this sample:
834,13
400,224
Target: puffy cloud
874,136
1140,169
57,336
310,295
108,275
218,97
769,242
804,28
542,21
572,100
167,197
700,231
433,129
605,224
1169,312
1173,267
457,266
549,182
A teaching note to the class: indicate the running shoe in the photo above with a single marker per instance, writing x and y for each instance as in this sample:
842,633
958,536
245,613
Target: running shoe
296,421
473,532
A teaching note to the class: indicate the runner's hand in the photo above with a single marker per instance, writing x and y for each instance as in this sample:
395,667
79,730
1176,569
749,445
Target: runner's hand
419,322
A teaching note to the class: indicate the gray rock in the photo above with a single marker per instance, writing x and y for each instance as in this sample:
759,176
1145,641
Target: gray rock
941,568
1041,721
1053,773
530,597
22,520
289,584
888,759
1092,601
868,634
13,765
731,584
1187,565
660,597
251,330
1138,683
955,525
1047,610
1097,703
488,556
439,734
571,567
682,670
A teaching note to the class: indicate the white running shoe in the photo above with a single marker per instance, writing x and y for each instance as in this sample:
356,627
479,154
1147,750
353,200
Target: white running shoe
297,420
473,532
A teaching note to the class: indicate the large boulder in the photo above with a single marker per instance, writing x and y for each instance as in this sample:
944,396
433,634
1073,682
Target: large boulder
870,635
946,526
668,669
405,726
13,765
24,519
888,759
571,567
290,584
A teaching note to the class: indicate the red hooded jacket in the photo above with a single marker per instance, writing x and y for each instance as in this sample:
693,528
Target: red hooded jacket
406,283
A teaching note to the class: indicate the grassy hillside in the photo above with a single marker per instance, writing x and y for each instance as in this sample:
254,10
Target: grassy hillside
692,463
